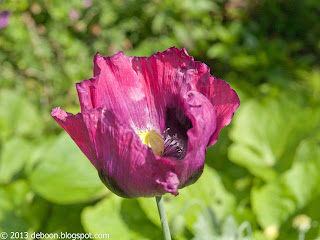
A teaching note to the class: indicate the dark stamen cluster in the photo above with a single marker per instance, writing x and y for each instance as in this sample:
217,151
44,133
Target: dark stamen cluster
175,137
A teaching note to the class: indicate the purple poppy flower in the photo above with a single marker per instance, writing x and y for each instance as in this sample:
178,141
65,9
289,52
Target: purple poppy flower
4,19
145,122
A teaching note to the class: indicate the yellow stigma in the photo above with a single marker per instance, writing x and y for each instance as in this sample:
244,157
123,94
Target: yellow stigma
154,140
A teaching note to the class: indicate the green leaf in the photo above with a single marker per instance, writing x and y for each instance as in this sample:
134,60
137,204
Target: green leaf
276,201
13,199
303,179
19,117
15,153
267,134
271,204
65,175
128,223
39,149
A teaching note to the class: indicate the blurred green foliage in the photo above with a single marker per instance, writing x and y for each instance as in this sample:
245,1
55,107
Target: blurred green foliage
261,174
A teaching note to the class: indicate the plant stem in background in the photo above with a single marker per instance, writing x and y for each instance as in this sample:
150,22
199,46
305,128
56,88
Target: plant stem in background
163,218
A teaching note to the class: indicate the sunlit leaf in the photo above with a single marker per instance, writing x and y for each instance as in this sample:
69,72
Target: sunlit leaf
14,155
276,201
18,116
13,198
303,179
267,134
65,175
121,219
272,204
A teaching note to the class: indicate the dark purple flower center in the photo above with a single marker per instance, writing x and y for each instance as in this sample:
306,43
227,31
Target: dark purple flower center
175,136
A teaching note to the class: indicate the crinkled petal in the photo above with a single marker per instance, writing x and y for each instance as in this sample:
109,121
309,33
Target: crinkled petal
167,74
125,165
224,99
76,128
173,71
169,182
117,87
203,117
139,89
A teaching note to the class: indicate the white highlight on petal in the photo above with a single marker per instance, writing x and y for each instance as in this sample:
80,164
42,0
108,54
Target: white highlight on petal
136,94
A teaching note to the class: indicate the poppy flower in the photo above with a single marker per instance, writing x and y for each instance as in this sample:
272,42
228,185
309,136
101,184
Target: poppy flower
145,122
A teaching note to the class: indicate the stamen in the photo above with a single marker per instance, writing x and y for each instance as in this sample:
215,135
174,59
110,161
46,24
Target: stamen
152,139
172,145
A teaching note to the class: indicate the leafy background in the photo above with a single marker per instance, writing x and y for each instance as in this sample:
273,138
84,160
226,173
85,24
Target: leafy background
262,173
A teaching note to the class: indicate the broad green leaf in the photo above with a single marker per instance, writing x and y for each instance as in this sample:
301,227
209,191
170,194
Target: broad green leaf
207,191
14,155
13,195
18,117
276,201
13,199
271,204
21,210
303,179
39,149
65,175
120,218
267,134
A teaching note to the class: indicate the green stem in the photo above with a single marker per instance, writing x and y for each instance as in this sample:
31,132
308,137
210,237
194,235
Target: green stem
163,218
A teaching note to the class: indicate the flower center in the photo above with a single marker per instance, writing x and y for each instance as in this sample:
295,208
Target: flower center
154,140
175,136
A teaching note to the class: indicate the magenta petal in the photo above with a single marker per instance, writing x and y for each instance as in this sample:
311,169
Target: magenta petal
166,74
203,117
170,183
125,165
224,100
117,87
172,71
76,128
